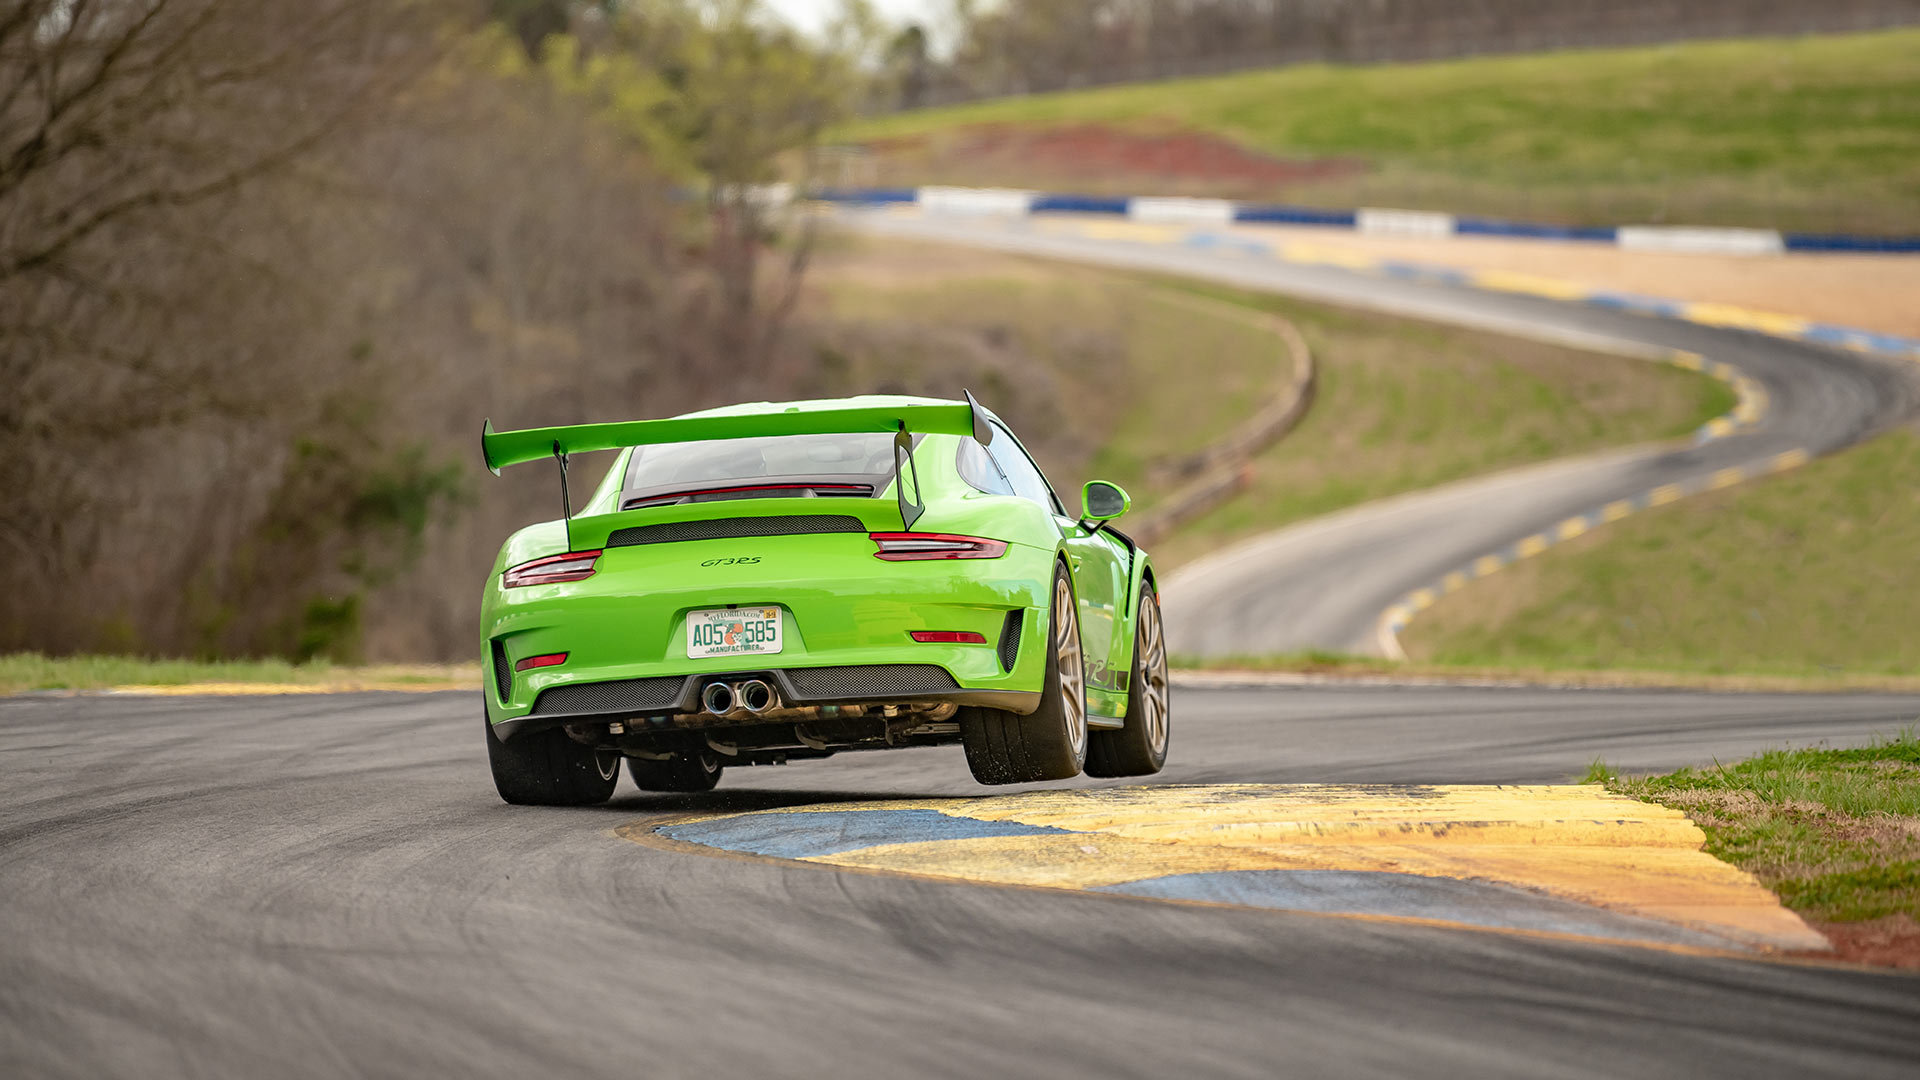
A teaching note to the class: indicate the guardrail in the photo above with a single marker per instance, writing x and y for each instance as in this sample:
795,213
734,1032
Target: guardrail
1386,221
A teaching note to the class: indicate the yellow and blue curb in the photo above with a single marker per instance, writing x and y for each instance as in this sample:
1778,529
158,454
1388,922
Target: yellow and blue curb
1019,202
1394,620
1750,396
1570,861
1719,316
1748,412
1702,313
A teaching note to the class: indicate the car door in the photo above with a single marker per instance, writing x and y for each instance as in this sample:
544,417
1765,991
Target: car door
1095,560
1099,582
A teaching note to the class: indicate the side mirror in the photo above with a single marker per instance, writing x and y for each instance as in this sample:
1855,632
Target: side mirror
1102,501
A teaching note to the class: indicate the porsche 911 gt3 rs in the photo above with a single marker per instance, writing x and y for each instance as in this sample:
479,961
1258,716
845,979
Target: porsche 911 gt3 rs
772,582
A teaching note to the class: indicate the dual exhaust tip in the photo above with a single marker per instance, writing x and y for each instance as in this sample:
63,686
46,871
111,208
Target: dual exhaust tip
752,696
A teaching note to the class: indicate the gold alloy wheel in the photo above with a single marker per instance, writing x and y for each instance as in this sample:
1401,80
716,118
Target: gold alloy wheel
1158,691
1073,674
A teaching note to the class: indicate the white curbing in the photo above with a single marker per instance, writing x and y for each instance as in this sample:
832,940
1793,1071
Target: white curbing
1386,222
1692,240
1006,202
1178,211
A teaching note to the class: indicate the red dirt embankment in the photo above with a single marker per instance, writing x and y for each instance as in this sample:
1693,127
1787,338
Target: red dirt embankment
1890,942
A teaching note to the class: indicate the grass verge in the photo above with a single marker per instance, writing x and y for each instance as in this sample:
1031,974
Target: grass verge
20,672
1809,573
1836,833
1811,132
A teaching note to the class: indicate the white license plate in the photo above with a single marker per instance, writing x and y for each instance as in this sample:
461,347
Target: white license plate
733,632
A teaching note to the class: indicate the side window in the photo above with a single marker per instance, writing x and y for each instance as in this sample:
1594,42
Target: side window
978,469
1021,472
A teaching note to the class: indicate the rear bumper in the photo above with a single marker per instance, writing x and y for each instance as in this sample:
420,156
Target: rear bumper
660,697
842,609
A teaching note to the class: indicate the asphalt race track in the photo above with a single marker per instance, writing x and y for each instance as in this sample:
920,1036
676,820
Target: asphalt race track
328,886
1328,581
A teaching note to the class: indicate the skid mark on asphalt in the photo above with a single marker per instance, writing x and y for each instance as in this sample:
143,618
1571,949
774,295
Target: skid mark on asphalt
1562,859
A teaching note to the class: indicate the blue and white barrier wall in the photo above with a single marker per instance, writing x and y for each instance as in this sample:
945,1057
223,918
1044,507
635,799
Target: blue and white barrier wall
1376,220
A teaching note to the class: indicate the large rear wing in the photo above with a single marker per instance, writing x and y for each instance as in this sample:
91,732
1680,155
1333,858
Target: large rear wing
503,448
500,449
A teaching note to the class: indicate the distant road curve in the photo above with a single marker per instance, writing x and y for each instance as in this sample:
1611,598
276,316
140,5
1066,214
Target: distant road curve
1327,582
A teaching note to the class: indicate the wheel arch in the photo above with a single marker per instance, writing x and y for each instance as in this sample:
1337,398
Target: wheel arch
1139,575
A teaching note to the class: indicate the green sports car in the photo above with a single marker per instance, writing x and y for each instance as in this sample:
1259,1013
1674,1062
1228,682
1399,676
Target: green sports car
775,581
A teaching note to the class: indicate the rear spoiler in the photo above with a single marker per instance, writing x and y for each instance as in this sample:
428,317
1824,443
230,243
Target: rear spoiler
500,449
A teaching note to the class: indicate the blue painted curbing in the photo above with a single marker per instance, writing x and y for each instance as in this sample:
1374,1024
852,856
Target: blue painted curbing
1078,204
1383,893
1473,226
806,834
1841,242
1294,215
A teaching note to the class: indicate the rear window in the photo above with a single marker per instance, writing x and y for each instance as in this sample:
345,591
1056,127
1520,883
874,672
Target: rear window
862,460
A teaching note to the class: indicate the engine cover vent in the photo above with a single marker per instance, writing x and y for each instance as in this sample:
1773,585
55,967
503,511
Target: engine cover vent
673,532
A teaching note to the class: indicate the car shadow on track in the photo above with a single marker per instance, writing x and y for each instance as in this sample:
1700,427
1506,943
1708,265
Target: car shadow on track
739,802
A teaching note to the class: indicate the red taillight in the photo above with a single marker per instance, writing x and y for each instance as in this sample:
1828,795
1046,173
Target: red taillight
552,659
947,637
905,546
573,566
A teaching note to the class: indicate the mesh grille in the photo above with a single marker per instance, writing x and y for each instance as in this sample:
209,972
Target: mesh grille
502,672
625,695
1010,639
730,528
879,680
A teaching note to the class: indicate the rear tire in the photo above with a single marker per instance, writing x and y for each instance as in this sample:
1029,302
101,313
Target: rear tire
1140,748
683,772
1049,743
545,768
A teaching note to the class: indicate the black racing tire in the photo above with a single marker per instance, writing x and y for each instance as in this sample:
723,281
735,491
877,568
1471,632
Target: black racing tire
545,768
1140,748
684,772
1049,743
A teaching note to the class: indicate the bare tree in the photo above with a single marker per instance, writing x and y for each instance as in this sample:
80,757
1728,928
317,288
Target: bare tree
264,264
747,102
131,133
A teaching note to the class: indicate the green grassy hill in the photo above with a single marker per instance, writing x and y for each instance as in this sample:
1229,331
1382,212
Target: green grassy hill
1811,572
1815,132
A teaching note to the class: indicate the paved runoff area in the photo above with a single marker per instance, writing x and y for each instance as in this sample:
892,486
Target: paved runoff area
1571,860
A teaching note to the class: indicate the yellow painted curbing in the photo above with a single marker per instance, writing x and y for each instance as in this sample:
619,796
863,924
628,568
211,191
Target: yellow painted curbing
1575,843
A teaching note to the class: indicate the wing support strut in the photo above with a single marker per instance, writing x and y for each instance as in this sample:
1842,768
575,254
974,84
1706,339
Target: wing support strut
910,509
566,498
